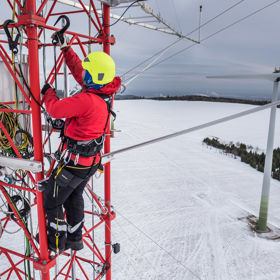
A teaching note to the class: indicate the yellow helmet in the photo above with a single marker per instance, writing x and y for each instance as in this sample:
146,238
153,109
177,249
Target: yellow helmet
100,66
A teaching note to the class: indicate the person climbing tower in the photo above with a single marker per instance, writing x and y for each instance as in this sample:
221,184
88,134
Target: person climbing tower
87,116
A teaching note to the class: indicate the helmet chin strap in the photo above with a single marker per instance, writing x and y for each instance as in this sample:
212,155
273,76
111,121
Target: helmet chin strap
87,81
95,86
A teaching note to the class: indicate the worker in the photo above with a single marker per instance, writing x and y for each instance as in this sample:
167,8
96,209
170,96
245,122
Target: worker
87,116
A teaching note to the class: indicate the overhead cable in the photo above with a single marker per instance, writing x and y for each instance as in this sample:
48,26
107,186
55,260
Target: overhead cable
219,31
192,129
126,82
211,35
215,17
121,17
180,39
141,63
163,249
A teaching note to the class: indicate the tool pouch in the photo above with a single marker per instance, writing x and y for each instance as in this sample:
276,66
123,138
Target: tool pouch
66,179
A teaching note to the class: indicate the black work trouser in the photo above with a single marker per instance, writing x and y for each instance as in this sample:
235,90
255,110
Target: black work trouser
71,198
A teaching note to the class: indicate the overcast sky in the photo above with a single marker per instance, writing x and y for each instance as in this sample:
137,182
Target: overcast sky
251,46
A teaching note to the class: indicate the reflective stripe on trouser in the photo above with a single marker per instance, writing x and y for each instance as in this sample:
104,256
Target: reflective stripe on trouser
75,232
72,200
58,227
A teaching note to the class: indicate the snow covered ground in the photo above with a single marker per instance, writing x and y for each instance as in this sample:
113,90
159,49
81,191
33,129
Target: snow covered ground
189,198
180,205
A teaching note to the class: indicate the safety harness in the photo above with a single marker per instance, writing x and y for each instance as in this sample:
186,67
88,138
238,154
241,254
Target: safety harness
91,147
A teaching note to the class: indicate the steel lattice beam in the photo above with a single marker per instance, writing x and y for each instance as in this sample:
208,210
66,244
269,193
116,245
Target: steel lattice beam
31,20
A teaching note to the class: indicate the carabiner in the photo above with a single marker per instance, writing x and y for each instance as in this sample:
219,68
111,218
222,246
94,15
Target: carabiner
12,43
76,159
62,31
69,155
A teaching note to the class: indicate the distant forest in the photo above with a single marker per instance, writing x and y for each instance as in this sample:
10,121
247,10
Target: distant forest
247,154
211,99
185,98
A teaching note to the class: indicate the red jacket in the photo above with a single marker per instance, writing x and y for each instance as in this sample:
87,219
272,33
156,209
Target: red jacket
86,113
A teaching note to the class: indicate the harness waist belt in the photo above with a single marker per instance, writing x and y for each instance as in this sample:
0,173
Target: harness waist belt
84,148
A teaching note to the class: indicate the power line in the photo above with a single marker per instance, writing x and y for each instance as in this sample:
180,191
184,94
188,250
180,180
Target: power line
180,39
236,22
141,63
217,32
206,38
215,17
128,81
176,15
191,129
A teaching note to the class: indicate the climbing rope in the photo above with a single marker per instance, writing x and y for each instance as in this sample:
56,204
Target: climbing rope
10,122
22,139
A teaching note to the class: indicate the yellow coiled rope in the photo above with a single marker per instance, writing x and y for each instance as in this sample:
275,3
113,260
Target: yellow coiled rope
10,123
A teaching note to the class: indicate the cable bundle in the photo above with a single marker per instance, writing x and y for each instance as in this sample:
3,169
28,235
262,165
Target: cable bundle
9,121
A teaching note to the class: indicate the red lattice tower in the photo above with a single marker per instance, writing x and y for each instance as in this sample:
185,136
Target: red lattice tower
30,18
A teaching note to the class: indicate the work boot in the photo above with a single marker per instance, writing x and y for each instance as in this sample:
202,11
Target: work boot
50,246
76,245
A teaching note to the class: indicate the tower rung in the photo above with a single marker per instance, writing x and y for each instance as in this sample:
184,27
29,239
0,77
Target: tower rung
19,163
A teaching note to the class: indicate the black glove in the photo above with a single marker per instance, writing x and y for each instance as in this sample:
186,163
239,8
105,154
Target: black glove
45,88
58,124
60,39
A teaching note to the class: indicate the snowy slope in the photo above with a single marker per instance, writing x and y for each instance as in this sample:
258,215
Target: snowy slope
180,204
187,197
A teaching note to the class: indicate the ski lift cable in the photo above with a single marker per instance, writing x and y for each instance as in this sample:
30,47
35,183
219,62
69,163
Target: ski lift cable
110,155
215,33
180,39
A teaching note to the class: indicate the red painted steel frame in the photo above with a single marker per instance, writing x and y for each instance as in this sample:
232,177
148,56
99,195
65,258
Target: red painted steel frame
107,149
31,21
37,127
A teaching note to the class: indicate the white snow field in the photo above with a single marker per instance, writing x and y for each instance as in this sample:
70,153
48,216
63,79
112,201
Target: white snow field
189,198
181,206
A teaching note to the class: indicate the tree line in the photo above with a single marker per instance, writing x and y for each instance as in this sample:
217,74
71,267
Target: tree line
210,99
247,154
